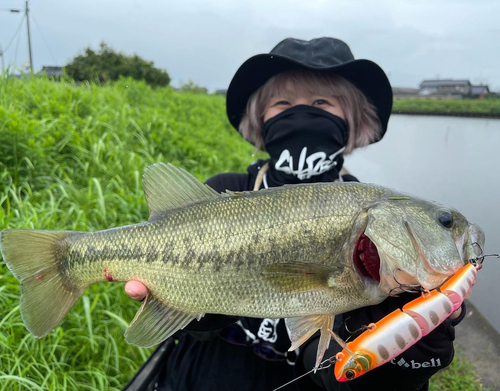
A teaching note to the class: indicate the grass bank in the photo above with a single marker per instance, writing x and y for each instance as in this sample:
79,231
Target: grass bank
459,376
452,106
71,158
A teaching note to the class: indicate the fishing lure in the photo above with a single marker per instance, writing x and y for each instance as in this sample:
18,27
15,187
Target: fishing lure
402,328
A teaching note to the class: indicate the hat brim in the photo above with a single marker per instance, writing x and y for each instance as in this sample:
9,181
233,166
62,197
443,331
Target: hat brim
366,75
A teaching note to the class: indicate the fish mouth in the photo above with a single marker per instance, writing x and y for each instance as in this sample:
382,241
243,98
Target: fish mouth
366,258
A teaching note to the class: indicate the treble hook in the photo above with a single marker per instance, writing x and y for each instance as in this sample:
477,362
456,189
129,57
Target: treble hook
479,259
409,288
356,333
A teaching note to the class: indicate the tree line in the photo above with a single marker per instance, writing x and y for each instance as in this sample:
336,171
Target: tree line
106,65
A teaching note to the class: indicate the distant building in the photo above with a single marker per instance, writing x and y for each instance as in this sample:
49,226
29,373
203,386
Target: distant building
445,86
451,89
405,92
479,91
20,76
52,71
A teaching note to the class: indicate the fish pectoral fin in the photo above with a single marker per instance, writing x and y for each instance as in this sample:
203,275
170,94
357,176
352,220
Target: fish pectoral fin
301,329
294,277
154,322
167,187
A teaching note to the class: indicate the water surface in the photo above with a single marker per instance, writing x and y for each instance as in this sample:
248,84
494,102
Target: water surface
452,160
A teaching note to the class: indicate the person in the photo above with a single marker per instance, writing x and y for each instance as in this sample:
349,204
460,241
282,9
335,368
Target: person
307,103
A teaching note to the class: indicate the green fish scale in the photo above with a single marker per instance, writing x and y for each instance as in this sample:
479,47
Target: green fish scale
210,256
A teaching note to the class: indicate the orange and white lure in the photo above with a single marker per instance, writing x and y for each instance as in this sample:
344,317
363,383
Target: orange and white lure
401,329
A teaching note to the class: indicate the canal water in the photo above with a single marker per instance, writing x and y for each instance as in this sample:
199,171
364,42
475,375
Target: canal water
452,160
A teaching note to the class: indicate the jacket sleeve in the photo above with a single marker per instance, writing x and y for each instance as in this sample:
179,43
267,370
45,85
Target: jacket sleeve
411,370
229,181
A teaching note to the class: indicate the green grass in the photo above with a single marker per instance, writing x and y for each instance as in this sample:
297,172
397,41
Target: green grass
477,106
459,376
72,158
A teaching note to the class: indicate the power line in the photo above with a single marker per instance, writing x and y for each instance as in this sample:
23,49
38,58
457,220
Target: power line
43,39
17,47
15,34
27,17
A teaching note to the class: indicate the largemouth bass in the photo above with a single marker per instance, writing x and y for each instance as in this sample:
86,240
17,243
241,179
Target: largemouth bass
301,252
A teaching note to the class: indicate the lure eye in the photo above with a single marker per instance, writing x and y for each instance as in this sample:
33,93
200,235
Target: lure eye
350,374
445,218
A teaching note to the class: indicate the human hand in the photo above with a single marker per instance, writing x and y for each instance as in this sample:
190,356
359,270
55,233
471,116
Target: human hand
136,290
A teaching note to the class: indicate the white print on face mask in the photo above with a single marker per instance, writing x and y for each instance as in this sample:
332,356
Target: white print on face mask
317,163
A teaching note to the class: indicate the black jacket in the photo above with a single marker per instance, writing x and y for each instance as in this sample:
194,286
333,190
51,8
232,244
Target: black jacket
201,360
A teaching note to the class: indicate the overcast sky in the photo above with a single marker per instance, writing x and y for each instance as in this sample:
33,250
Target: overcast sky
206,41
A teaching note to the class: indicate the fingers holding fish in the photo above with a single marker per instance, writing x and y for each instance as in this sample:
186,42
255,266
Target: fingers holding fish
299,251
136,290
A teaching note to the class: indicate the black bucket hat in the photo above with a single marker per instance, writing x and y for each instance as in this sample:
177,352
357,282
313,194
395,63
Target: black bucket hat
321,54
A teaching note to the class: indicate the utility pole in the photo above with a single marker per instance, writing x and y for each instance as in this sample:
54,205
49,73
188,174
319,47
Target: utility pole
26,11
29,36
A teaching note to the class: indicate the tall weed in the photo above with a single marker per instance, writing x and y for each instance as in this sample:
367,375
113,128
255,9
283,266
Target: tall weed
72,158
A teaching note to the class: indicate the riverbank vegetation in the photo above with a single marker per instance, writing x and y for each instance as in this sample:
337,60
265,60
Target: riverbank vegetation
72,158
450,106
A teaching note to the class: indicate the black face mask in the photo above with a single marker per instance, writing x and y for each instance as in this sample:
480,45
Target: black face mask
305,144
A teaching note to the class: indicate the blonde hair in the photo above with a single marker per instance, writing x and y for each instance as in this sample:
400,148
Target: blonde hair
363,123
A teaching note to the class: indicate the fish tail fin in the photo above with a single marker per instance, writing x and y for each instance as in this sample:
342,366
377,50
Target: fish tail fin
34,257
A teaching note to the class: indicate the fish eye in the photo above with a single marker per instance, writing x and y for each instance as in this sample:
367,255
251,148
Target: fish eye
350,374
445,218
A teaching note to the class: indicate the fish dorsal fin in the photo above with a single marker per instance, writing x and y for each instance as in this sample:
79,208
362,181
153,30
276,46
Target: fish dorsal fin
167,187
